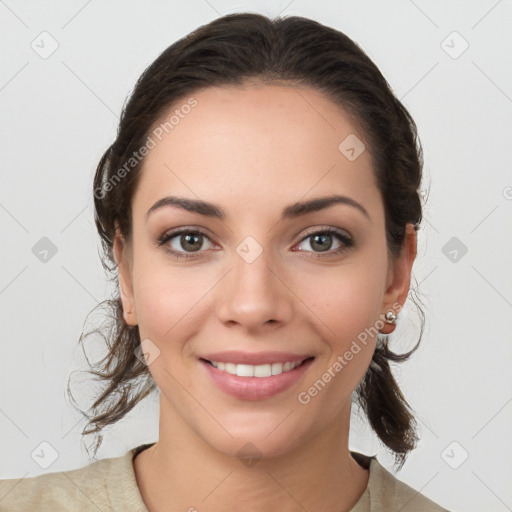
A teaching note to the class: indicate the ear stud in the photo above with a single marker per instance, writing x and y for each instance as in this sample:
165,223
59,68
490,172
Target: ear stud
390,317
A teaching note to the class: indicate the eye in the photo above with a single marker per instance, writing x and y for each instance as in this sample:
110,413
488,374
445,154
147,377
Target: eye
184,242
322,241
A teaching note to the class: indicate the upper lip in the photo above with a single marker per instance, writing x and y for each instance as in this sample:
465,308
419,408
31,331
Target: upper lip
255,359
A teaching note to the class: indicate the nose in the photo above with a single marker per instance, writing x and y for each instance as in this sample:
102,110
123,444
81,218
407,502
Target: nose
255,295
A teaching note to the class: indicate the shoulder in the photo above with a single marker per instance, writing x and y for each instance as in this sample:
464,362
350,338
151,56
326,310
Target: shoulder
57,491
388,493
94,487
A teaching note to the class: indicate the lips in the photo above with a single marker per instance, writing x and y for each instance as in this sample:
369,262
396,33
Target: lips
255,387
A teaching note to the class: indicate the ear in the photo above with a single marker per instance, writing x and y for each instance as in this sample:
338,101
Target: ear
123,256
399,276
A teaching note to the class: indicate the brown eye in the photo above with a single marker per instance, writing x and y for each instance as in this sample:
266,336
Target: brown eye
191,242
321,242
183,243
329,241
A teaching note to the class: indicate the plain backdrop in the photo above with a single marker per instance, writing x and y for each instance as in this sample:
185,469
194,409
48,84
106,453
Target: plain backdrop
449,62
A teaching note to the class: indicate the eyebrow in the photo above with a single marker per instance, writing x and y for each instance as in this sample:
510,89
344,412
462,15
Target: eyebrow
292,211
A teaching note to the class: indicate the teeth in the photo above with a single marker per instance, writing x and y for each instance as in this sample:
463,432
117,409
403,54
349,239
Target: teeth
245,370
277,368
262,370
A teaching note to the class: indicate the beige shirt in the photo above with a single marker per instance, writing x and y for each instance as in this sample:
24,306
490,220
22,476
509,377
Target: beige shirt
109,485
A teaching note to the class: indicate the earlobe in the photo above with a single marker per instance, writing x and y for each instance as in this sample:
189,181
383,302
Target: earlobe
398,288
121,256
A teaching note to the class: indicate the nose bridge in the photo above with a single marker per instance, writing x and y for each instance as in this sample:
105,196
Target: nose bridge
253,295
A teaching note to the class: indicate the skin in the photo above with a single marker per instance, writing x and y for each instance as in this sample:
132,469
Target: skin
254,150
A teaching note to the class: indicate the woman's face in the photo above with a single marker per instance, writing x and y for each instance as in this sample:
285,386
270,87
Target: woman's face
256,281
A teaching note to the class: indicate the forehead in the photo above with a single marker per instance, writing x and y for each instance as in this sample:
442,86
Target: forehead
254,145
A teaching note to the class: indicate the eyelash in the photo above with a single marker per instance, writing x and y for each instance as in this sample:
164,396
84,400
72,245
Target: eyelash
346,241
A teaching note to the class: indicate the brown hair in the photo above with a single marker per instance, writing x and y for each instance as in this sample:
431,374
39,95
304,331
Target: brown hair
233,50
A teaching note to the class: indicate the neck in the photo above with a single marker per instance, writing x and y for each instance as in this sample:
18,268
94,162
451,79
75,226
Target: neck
182,472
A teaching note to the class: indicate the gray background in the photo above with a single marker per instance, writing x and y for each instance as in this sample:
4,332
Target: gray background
59,113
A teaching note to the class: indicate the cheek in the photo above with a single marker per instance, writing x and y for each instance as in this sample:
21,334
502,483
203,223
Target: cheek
346,303
168,300
347,299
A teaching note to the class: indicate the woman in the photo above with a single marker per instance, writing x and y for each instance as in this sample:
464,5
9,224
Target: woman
259,208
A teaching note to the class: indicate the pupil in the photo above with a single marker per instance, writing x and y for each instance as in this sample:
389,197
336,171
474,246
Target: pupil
322,245
188,240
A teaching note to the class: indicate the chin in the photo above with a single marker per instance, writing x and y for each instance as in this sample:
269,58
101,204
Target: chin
259,436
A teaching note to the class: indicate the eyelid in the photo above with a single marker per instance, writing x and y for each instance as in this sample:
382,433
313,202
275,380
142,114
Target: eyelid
325,229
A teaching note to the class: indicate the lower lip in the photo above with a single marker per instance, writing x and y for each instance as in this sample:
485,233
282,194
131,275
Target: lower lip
255,388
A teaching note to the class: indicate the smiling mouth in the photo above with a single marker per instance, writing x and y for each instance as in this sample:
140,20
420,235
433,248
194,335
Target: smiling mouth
262,370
